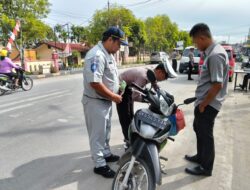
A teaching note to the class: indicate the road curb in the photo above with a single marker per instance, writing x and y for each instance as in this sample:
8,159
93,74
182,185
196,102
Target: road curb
77,71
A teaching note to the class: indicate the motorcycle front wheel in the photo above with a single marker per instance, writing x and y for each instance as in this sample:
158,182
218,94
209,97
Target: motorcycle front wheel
140,178
27,83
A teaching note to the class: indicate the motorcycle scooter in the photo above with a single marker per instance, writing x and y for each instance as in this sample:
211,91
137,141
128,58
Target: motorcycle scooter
139,166
7,84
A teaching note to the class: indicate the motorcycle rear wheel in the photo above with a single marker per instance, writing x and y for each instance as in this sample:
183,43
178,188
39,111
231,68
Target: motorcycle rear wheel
1,90
140,178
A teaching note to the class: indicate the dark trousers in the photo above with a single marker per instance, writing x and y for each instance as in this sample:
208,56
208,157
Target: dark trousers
245,80
12,75
125,111
190,68
174,64
203,127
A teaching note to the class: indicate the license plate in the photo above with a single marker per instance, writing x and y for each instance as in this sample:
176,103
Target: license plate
152,120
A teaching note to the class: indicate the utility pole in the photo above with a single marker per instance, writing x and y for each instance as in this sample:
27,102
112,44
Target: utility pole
228,41
54,28
108,13
68,32
67,24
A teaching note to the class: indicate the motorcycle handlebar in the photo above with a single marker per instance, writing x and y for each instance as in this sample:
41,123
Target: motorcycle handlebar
170,138
139,88
20,69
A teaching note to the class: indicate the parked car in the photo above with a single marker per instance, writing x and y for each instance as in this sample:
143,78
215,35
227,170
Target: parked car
157,57
185,59
239,57
231,57
245,60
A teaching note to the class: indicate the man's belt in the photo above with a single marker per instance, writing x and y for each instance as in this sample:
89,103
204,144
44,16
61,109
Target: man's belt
96,98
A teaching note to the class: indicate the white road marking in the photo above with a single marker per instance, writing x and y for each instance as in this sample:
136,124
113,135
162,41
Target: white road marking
34,98
15,108
62,120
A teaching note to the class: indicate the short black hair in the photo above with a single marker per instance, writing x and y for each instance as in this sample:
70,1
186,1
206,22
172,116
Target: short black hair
200,29
162,68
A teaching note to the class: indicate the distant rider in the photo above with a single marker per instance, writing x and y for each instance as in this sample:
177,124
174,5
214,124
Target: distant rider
6,66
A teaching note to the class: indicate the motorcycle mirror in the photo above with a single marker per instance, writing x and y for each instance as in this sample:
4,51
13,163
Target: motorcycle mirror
189,100
151,76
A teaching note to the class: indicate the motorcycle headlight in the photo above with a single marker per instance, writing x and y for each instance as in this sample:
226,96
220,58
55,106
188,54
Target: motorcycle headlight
147,131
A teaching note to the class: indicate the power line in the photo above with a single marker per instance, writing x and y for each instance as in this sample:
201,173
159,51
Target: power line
143,3
68,13
139,3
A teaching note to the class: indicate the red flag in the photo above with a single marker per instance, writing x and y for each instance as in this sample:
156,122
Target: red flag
13,35
67,51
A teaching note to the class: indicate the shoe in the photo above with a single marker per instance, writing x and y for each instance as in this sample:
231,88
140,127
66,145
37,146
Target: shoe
126,145
105,171
190,79
198,170
112,158
241,86
192,158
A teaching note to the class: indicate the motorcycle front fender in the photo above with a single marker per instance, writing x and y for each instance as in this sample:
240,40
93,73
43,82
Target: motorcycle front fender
147,151
135,149
151,155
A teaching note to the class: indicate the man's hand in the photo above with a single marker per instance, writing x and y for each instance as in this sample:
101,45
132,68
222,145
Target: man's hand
212,92
116,98
202,107
105,92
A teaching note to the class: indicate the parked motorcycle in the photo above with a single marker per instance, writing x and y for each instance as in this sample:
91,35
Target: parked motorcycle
139,166
7,84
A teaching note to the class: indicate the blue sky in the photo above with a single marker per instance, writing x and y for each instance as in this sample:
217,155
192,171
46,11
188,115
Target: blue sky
229,20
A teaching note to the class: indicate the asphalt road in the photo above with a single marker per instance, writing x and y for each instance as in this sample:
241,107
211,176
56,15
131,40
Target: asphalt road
44,142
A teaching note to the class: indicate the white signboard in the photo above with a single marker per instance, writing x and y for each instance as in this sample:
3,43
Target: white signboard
180,43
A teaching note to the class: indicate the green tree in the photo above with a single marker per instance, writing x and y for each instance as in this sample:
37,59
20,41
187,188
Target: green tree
79,33
162,33
184,36
61,33
115,16
138,37
30,13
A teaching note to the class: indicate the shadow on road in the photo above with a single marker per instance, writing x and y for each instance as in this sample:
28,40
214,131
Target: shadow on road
68,171
73,171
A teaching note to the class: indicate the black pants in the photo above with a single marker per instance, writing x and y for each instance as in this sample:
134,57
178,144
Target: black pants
12,75
125,111
203,127
245,80
174,64
190,68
